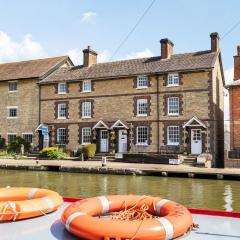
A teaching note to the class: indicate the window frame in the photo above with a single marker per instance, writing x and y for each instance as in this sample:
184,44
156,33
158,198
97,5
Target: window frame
11,134
173,80
84,115
142,101
9,108
170,142
168,106
28,134
90,135
59,110
83,86
146,143
140,78
58,136
59,88
9,83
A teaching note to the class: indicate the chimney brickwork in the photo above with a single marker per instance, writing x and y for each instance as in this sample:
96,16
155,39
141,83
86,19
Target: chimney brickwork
89,57
214,41
166,48
237,65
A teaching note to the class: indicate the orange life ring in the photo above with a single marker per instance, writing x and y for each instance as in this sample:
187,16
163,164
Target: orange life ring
171,219
21,203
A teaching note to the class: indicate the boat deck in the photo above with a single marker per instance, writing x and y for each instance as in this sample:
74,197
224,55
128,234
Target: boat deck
50,227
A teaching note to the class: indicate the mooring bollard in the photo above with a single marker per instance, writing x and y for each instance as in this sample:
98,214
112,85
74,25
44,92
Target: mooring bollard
104,161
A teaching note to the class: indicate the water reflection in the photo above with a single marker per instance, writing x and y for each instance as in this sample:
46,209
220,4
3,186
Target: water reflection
228,198
198,193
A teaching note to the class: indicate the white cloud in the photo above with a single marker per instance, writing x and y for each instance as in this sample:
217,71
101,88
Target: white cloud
145,53
89,17
13,50
228,79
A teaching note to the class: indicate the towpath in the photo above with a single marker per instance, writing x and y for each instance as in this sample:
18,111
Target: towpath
120,168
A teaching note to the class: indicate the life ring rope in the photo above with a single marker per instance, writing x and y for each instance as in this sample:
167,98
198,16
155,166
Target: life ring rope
169,219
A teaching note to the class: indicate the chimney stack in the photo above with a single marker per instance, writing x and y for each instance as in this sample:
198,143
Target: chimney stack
89,57
237,65
214,41
166,48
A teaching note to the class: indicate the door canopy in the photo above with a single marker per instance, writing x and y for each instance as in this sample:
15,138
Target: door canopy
101,125
194,122
120,124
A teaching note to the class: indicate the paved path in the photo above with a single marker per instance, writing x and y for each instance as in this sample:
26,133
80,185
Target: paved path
118,167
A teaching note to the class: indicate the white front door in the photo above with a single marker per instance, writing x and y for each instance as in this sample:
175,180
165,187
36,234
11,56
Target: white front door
196,141
103,141
122,141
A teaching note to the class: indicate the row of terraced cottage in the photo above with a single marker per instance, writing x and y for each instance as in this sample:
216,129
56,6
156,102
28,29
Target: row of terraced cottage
172,103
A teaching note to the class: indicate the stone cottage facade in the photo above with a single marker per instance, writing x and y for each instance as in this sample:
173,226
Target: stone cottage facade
169,103
19,96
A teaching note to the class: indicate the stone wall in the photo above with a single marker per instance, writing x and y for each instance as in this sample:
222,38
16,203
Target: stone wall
113,99
27,100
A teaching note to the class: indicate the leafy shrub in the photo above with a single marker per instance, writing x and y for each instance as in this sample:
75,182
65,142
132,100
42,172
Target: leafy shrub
2,143
15,145
89,150
6,154
52,153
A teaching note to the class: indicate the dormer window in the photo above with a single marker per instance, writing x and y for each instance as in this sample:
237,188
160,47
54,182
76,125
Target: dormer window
87,86
62,88
142,82
173,80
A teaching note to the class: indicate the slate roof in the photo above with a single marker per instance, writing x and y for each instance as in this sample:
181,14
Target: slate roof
177,62
29,69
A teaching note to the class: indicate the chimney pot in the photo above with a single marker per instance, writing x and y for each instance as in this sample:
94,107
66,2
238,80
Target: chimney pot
238,50
166,48
214,41
89,57
237,65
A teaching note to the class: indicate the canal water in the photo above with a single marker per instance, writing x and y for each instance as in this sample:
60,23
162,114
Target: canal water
196,193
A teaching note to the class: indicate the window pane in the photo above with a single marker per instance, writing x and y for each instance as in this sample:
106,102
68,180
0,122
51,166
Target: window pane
87,86
173,79
142,82
142,107
12,112
11,137
12,86
62,110
173,135
62,88
142,135
86,135
61,135
173,105
28,138
86,109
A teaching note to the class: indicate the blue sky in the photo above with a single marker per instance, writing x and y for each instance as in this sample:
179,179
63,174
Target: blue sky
32,29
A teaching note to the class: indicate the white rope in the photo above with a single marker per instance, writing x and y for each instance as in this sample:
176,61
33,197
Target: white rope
12,206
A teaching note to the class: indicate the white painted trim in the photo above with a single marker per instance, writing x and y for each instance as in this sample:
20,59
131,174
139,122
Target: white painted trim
12,107
100,122
188,124
116,123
